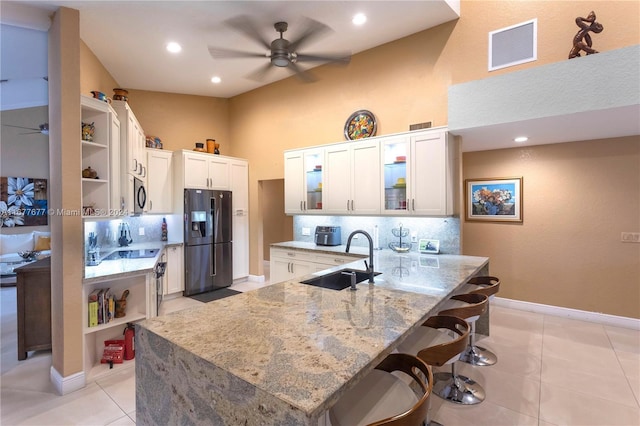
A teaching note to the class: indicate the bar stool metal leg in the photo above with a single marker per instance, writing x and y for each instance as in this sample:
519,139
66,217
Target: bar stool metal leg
457,388
476,355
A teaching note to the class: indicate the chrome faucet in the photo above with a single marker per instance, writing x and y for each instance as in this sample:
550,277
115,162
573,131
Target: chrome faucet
370,265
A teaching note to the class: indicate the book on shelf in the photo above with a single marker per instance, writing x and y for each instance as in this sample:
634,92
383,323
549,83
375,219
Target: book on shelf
93,308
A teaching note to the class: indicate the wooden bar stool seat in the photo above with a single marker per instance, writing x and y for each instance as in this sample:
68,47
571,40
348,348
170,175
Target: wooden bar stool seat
382,398
439,341
477,355
452,386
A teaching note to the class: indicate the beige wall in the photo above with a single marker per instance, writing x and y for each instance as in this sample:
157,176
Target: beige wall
93,75
577,199
182,120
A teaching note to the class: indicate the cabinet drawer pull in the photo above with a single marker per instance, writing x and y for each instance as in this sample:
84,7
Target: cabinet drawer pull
300,205
291,254
347,204
413,204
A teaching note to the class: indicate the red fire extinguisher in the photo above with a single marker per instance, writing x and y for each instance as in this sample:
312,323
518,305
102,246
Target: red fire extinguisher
129,342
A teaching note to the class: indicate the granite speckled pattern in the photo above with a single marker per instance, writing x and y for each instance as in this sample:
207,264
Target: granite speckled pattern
284,354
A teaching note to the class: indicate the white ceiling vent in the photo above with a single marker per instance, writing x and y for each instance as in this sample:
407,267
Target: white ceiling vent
513,45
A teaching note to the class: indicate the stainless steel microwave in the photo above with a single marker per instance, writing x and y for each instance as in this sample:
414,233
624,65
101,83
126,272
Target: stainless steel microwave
139,196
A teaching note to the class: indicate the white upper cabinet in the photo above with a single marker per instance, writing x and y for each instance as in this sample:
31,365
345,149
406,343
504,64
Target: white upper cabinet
352,178
205,171
132,141
434,174
303,187
413,173
160,181
419,174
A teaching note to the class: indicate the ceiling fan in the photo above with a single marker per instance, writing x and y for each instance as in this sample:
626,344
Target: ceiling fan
43,128
282,53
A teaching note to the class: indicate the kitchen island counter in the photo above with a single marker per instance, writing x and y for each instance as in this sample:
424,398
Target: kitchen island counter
285,353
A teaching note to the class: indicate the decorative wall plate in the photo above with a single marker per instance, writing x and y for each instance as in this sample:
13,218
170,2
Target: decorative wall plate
361,124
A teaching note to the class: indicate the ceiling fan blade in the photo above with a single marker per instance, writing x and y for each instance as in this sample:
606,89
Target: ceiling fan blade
304,76
218,53
30,133
246,26
260,73
313,30
335,58
22,127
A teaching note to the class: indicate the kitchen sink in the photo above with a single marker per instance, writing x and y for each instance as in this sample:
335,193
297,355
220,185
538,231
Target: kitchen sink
132,254
337,280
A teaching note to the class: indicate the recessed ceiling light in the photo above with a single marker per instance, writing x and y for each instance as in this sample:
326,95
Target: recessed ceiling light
359,19
174,47
216,80
521,139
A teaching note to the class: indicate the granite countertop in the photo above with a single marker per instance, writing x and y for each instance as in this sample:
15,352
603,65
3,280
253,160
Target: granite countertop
121,268
306,345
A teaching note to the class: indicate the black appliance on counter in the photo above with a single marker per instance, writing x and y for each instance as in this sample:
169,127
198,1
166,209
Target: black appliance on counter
328,236
208,256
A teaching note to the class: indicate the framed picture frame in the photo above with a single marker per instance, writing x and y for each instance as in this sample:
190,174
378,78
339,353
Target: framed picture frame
493,199
429,246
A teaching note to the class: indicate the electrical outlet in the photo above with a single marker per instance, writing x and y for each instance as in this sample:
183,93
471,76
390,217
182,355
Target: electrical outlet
141,231
306,231
414,237
630,237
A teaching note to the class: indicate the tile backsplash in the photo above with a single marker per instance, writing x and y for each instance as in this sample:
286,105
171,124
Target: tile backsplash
108,231
446,229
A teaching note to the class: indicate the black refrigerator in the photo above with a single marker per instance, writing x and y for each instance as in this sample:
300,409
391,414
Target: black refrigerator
208,254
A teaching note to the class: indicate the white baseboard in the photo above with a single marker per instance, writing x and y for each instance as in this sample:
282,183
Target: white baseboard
256,278
65,385
558,311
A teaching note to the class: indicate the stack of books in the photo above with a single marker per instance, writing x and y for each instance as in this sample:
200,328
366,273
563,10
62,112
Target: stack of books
102,307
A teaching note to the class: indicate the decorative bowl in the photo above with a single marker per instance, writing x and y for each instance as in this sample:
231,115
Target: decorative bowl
29,254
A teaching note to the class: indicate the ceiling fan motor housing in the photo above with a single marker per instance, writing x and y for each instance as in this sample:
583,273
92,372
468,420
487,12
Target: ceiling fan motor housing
280,56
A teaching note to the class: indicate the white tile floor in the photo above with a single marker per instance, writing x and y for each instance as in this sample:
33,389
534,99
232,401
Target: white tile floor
551,371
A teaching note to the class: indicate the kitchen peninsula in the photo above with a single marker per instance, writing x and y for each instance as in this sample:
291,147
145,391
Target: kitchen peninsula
285,353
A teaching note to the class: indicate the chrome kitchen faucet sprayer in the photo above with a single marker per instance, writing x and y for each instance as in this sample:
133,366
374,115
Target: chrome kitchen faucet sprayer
370,265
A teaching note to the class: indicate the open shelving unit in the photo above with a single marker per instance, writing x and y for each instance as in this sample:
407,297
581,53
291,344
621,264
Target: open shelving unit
94,337
95,154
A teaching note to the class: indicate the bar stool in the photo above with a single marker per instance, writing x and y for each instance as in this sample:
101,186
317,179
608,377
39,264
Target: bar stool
452,386
381,398
439,341
477,355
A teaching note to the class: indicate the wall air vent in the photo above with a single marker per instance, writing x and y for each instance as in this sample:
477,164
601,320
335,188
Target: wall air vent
513,45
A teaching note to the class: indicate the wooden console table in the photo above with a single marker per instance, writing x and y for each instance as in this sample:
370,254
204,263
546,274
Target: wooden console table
33,285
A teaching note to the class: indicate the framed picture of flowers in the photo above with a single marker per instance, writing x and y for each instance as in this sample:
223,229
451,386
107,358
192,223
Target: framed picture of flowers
493,200
23,202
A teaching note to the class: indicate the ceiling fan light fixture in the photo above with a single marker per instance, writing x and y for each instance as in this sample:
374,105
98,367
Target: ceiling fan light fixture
280,60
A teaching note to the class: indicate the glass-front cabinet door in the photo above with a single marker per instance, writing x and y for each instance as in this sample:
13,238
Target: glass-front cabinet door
313,162
396,173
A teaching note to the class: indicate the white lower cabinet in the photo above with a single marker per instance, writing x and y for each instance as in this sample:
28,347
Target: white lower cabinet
287,264
174,272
